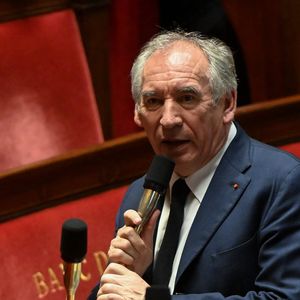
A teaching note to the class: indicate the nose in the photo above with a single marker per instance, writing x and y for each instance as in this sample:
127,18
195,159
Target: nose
171,116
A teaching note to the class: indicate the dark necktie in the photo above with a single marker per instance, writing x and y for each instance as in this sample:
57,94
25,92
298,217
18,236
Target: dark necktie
164,261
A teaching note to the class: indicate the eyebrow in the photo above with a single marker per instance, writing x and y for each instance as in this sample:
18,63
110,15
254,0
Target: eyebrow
186,89
189,89
149,94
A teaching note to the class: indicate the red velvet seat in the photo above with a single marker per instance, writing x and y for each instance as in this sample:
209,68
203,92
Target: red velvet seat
293,148
30,254
47,101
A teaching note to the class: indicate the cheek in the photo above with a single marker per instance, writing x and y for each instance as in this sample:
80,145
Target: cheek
149,122
204,129
199,125
151,130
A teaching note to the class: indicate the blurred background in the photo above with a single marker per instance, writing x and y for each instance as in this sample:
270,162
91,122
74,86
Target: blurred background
264,36
69,146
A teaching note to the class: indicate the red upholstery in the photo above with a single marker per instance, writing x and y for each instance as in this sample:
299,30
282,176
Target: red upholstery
46,96
30,254
293,148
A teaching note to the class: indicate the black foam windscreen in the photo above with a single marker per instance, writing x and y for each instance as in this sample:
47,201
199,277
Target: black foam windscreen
156,292
73,246
159,173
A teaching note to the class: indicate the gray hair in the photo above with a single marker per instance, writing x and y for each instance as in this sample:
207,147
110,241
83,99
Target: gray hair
221,72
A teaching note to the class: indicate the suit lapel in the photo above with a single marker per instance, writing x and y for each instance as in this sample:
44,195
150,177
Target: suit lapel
225,189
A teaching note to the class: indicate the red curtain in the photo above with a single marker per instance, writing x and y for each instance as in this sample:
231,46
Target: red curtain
133,22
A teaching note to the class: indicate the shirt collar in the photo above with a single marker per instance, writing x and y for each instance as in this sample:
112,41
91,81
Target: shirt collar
199,181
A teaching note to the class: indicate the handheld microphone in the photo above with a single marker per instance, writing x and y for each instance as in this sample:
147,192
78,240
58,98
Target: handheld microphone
155,186
158,292
73,249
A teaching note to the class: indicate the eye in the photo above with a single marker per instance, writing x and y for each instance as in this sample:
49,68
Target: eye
188,100
152,103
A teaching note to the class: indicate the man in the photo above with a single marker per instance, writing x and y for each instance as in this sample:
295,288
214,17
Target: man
240,237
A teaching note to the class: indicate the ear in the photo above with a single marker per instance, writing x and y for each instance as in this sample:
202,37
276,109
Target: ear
229,107
137,117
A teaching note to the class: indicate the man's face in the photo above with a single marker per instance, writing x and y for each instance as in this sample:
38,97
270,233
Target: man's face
177,111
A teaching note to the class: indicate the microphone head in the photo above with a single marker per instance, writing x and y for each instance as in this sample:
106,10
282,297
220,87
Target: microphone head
158,292
73,246
159,173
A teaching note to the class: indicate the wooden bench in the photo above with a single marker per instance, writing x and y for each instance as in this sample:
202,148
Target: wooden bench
117,162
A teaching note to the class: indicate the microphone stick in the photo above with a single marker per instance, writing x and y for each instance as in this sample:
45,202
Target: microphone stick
73,249
155,186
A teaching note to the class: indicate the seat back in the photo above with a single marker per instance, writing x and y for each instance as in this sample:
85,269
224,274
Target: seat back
47,100
30,248
293,148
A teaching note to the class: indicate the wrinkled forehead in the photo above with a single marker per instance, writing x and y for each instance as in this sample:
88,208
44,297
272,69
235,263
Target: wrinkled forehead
178,53
179,59
179,50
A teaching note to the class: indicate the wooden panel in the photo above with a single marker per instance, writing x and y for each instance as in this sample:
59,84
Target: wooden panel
290,11
77,174
257,26
118,162
274,122
93,21
16,9
268,31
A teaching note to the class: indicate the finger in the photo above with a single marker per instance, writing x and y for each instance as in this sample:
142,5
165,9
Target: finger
109,288
114,269
109,296
109,278
148,231
122,251
110,291
112,275
136,244
132,218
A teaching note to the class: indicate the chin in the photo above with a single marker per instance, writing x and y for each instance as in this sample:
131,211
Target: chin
183,168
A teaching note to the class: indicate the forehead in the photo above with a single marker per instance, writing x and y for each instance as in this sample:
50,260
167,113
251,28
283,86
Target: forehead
178,51
180,60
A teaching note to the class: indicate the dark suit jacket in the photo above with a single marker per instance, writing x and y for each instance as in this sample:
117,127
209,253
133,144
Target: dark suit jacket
245,240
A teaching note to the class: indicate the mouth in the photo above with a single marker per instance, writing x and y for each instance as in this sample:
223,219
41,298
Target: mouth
174,144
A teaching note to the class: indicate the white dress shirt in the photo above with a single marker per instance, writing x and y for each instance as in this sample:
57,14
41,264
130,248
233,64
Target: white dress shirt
198,184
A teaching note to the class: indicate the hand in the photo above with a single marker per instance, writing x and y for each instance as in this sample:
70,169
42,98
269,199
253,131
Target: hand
119,283
131,250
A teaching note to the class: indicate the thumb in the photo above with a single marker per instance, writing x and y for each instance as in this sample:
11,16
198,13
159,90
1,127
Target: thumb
148,231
